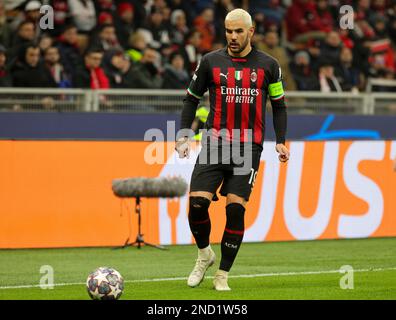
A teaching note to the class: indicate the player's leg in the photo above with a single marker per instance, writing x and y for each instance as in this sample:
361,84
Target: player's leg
231,240
237,188
204,182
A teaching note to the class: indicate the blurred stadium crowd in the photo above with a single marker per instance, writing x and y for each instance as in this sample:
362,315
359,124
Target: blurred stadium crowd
157,43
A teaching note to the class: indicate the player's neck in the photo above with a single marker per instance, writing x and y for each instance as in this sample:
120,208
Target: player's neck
241,54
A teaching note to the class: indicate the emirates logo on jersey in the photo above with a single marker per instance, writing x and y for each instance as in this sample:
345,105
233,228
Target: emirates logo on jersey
239,95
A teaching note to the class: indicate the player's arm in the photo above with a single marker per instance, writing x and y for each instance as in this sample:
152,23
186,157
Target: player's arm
279,111
195,92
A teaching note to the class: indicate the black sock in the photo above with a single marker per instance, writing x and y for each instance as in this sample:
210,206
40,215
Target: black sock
198,218
233,235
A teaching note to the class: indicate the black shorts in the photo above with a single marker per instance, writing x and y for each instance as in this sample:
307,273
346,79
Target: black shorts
236,177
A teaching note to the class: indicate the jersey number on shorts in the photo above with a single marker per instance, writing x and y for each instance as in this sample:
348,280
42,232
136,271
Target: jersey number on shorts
253,176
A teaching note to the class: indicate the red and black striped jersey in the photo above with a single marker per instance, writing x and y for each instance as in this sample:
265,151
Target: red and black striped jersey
238,90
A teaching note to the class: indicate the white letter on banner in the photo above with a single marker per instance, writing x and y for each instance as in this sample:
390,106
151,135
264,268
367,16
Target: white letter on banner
259,229
183,168
310,228
393,150
364,188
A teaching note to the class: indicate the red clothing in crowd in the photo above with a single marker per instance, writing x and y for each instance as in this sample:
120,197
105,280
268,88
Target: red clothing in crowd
99,79
302,17
207,31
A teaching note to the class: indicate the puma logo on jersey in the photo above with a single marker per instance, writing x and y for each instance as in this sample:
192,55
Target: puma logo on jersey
224,75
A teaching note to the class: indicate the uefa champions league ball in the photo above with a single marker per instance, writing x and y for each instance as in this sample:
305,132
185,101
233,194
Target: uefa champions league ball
105,284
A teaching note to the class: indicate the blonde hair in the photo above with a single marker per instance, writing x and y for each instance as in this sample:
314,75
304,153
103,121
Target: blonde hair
240,14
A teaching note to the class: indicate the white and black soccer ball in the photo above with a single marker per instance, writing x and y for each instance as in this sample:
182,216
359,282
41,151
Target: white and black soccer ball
105,284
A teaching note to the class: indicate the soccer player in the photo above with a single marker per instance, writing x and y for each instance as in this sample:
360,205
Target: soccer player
239,78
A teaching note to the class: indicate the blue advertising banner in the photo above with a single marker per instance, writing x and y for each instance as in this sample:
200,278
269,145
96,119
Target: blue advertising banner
124,126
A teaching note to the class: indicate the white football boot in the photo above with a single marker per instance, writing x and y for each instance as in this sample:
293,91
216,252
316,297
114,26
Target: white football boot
220,281
206,258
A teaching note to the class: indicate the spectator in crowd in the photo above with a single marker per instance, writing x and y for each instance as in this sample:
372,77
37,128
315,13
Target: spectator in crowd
175,76
32,13
105,6
157,33
379,65
204,23
271,46
68,46
192,51
137,44
379,24
125,23
106,38
61,16
330,49
348,75
146,73
222,7
325,16
272,10
391,17
104,18
113,67
124,66
45,42
327,80
90,74
303,73
303,22
83,14
179,27
5,29
260,25
185,7
29,72
56,69
5,77
25,34
362,9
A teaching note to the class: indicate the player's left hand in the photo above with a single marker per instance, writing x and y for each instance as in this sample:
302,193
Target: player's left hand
284,153
183,147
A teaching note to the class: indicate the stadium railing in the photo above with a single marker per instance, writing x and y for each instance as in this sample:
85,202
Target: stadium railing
170,101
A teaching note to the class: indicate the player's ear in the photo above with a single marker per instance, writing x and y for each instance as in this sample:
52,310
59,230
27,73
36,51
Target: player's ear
251,31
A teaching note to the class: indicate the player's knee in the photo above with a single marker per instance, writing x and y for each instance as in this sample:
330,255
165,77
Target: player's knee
235,216
199,208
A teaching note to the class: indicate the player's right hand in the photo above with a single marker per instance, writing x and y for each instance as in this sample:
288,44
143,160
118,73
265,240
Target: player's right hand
284,153
183,147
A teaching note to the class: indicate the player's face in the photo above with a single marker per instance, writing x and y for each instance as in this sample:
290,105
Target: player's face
238,35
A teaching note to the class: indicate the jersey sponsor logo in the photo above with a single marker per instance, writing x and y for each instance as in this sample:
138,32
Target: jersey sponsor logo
239,95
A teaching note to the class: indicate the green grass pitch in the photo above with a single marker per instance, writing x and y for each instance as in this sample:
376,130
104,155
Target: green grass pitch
272,270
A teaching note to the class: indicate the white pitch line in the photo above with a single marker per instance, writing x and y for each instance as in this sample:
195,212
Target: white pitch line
258,275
